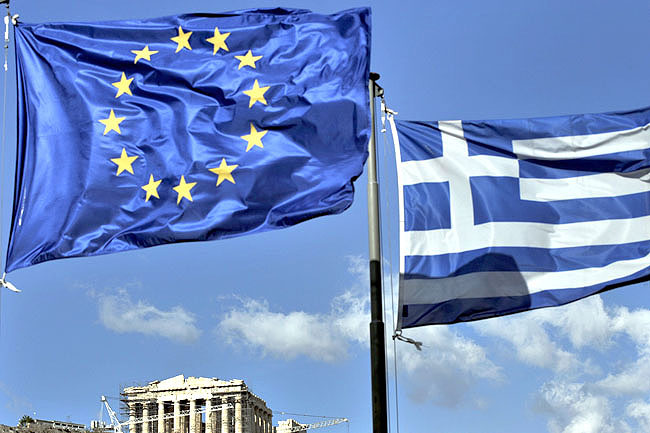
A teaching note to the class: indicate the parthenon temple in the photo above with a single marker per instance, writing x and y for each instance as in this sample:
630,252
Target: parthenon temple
196,405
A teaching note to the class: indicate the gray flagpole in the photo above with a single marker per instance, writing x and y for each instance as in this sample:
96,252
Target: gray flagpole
377,336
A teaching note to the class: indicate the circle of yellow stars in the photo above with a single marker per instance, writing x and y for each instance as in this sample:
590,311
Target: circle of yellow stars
224,171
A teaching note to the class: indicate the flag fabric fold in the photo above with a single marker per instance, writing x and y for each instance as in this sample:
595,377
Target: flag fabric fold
193,127
503,216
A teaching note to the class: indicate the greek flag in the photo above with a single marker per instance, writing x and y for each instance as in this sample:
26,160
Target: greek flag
503,216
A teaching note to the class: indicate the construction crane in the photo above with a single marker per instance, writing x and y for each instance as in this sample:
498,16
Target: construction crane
326,423
115,423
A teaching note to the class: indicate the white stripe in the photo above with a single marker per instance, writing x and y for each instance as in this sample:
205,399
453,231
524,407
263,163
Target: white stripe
581,146
523,234
439,170
495,284
591,186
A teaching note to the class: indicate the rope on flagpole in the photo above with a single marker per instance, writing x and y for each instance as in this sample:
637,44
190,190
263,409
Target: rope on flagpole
397,334
14,21
384,111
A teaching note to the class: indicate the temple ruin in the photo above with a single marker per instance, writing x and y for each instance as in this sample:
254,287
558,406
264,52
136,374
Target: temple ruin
196,405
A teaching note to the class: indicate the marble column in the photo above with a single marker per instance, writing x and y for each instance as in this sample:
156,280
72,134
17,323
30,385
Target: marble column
177,416
238,418
161,417
193,416
208,415
216,420
225,416
199,419
145,417
132,425
184,421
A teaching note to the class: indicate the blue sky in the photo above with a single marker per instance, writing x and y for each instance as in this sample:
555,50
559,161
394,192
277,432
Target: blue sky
287,311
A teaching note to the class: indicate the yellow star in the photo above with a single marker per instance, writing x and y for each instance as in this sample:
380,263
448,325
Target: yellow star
123,86
124,162
183,40
218,40
248,60
256,94
112,123
151,188
183,190
224,171
143,54
254,138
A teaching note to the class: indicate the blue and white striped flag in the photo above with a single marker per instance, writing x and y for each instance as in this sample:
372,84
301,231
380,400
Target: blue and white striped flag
503,216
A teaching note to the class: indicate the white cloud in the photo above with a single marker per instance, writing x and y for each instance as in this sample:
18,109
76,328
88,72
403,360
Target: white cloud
320,336
572,409
636,324
284,335
531,342
119,313
538,337
640,412
563,341
446,368
634,379
585,322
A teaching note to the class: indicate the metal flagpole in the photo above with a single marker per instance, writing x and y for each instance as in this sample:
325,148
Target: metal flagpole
377,336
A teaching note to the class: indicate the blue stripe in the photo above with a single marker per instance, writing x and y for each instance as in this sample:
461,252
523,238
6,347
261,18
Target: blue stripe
419,140
622,162
419,214
522,259
494,137
496,199
466,310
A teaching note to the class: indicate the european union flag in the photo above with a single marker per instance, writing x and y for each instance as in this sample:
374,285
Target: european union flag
501,216
194,127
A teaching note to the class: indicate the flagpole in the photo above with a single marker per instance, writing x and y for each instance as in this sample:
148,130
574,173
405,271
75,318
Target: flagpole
377,336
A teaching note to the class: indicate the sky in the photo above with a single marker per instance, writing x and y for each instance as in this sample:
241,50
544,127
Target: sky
288,311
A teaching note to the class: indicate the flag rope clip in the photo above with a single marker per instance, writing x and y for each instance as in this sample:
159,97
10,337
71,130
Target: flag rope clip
385,111
398,336
7,284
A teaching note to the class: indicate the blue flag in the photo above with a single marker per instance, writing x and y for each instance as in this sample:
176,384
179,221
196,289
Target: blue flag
503,216
194,127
